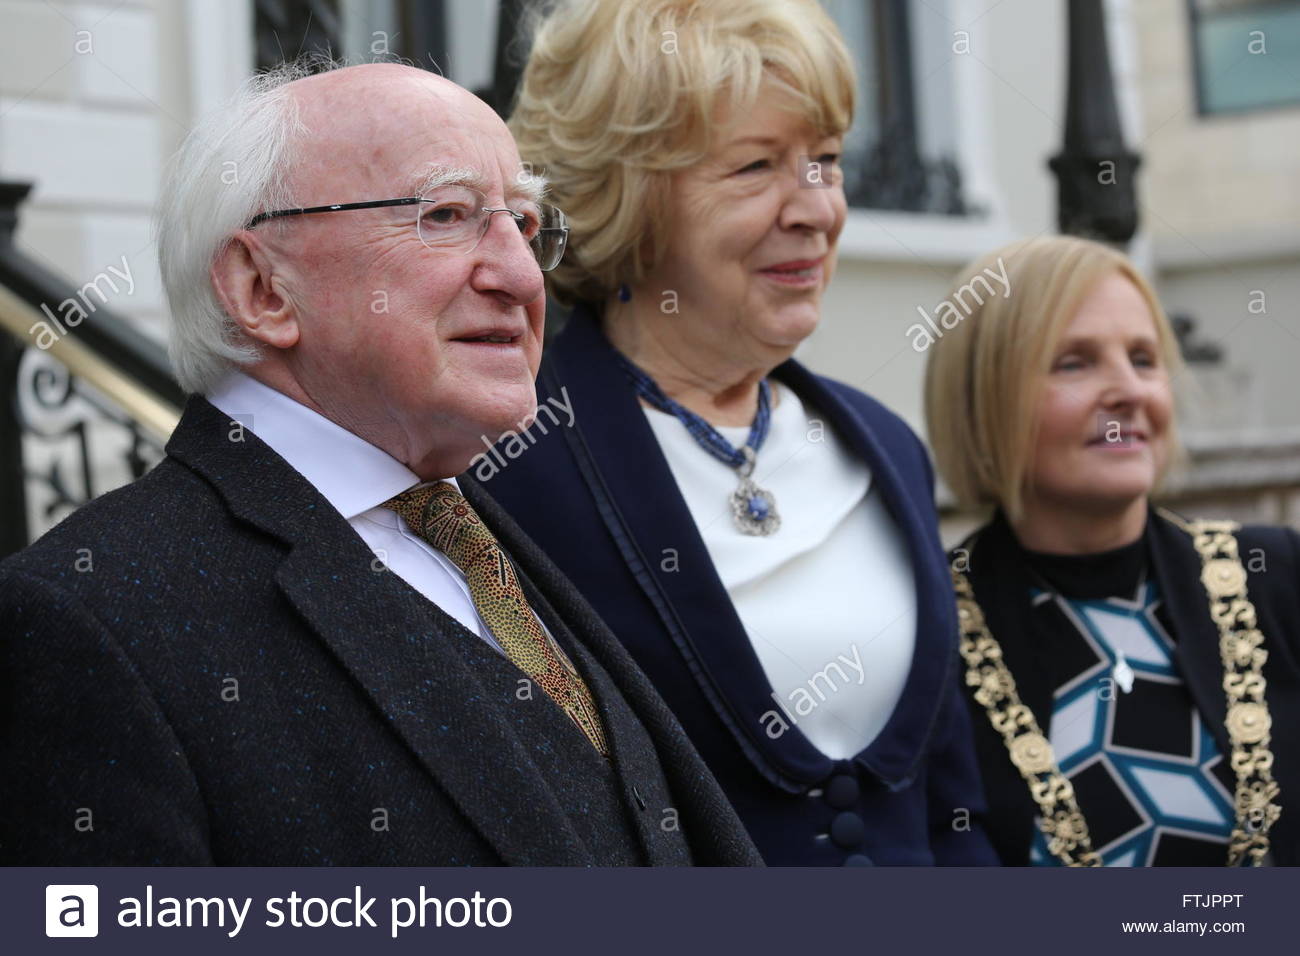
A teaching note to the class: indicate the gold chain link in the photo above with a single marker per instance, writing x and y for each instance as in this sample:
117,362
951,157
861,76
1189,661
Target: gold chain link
1061,819
1248,719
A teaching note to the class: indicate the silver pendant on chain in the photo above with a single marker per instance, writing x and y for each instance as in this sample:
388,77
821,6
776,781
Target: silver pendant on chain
1123,674
753,508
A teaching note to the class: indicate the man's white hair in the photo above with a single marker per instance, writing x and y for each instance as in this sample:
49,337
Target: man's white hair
233,165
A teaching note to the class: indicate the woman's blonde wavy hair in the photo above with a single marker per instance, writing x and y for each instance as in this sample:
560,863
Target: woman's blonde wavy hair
617,95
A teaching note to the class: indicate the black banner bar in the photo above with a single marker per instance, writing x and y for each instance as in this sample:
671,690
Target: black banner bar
262,910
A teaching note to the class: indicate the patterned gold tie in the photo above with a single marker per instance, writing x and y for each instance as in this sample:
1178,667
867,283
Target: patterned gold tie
441,516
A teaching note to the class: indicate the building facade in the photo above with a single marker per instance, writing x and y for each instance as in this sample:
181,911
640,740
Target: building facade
962,104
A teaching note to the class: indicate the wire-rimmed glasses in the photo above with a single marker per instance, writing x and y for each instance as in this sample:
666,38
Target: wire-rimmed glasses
455,218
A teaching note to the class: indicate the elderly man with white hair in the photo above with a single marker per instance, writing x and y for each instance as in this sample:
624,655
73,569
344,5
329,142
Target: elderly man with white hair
301,639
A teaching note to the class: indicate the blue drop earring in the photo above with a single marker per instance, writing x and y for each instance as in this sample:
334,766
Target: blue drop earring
624,293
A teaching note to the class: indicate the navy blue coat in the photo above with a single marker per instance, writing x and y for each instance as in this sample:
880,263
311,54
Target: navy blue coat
615,522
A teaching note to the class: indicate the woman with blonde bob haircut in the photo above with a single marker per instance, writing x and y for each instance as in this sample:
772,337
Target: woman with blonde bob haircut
1125,665
762,540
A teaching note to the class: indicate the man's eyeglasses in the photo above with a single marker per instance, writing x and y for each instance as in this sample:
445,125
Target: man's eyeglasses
455,218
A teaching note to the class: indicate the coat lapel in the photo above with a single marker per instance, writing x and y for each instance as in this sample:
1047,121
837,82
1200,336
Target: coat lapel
1003,584
643,733
637,497
1196,638
900,748
400,648
630,750
636,494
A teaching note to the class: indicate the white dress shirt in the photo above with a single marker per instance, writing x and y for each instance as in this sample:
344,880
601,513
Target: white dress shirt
829,600
356,478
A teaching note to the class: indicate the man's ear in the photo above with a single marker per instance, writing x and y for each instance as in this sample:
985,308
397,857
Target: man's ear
245,282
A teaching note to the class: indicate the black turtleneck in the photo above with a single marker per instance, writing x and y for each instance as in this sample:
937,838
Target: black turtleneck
1114,573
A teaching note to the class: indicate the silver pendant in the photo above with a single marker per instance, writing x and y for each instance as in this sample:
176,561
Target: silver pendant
1123,673
753,508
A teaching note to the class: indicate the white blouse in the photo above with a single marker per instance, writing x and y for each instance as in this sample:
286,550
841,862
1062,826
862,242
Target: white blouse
829,600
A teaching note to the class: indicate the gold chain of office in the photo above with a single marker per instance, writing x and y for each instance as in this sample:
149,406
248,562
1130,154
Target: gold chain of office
1248,720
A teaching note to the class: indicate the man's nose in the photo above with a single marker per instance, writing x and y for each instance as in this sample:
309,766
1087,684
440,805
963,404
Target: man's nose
507,265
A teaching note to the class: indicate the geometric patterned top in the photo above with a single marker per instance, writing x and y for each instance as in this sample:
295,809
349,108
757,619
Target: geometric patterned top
1148,774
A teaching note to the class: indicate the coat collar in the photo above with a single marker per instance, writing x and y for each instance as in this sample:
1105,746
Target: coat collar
1178,576
350,473
588,643
457,744
1002,581
635,493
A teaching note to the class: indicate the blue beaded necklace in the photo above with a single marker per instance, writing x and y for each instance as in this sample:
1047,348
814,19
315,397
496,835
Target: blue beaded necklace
752,508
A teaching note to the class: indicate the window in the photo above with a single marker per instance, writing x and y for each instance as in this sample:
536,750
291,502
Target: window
353,30
1247,54
285,30
900,153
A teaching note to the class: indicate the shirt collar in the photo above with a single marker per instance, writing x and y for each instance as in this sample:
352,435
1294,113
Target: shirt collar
353,475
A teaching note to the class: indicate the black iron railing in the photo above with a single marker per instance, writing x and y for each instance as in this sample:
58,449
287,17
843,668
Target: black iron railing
70,401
